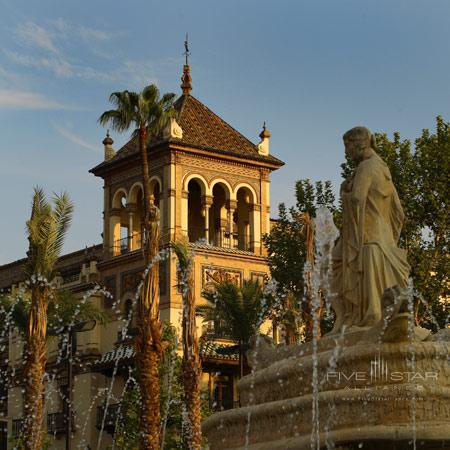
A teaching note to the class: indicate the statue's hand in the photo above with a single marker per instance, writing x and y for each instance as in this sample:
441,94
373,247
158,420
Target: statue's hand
347,185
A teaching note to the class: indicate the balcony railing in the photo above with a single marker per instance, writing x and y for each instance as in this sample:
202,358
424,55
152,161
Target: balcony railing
4,352
110,419
17,427
56,423
127,244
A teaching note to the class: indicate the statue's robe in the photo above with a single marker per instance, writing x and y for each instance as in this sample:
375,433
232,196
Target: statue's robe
366,259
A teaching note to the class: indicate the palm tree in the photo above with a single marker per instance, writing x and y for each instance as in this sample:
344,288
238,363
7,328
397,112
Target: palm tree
148,114
191,365
237,312
46,229
63,308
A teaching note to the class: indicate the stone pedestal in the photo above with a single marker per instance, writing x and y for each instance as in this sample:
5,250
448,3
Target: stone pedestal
368,393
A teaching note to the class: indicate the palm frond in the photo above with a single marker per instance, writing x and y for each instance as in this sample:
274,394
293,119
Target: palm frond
46,229
150,93
66,308
183,253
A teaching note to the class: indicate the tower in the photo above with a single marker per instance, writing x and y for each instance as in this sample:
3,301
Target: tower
212,186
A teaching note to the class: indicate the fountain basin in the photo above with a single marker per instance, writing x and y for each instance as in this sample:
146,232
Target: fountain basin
368,393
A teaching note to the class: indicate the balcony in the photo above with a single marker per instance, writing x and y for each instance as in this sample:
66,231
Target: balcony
56,423
17,427
110,419
127,244
4,351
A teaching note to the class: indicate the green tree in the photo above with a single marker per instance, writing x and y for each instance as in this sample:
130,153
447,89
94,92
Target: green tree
149,114
46,230
237,312
289,244
63,307
126,436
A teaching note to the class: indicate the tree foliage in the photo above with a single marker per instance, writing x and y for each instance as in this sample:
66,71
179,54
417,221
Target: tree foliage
237,312
63,307
420,172
46,228
287,249
126,436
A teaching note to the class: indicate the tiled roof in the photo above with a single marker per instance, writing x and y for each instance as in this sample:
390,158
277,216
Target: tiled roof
202,129
120,353
208,350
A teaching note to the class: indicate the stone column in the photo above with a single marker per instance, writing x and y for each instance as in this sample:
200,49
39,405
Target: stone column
169,181
184,212
207,201
231,207
131,209
114,231
255,228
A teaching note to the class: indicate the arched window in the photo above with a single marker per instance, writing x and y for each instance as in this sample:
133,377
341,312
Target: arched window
196,219
243,220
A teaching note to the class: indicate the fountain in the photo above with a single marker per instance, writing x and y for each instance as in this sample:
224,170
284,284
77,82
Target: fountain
376,380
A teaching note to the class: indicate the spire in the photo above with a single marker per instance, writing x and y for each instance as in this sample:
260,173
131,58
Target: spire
263,146
108,150
186,79
108,139
265,133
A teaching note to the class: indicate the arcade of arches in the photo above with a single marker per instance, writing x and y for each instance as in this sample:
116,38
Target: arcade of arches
126,217
217,215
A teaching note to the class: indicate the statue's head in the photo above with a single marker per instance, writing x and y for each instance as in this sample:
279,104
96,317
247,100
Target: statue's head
359,143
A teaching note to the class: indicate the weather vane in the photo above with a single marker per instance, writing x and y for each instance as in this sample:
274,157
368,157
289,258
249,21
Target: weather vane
186,49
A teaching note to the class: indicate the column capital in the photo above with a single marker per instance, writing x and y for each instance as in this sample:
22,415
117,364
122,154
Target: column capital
255,207
207,200
231,204
131,207
115,211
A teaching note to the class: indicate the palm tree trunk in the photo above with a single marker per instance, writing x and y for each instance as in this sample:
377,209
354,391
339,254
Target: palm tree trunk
34,368
191,367
143,137
148,340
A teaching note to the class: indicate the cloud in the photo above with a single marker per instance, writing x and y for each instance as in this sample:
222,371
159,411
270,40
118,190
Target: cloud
62,43
15,99
59,66
68,31
34,35
76,139
8,79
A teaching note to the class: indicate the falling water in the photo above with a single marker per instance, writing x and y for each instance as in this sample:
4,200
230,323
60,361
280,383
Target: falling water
412,358
325,234
269,292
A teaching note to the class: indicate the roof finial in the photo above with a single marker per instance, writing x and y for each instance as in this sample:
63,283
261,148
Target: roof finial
186,50
109,151
186,80
265,133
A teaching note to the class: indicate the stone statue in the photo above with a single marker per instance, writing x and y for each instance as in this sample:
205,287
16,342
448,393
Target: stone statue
366,258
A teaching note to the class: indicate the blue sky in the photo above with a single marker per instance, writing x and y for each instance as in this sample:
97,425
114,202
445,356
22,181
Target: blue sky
310,69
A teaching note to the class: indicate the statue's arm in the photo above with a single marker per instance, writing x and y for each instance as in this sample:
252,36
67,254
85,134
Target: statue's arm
361,184
358,198
397,216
